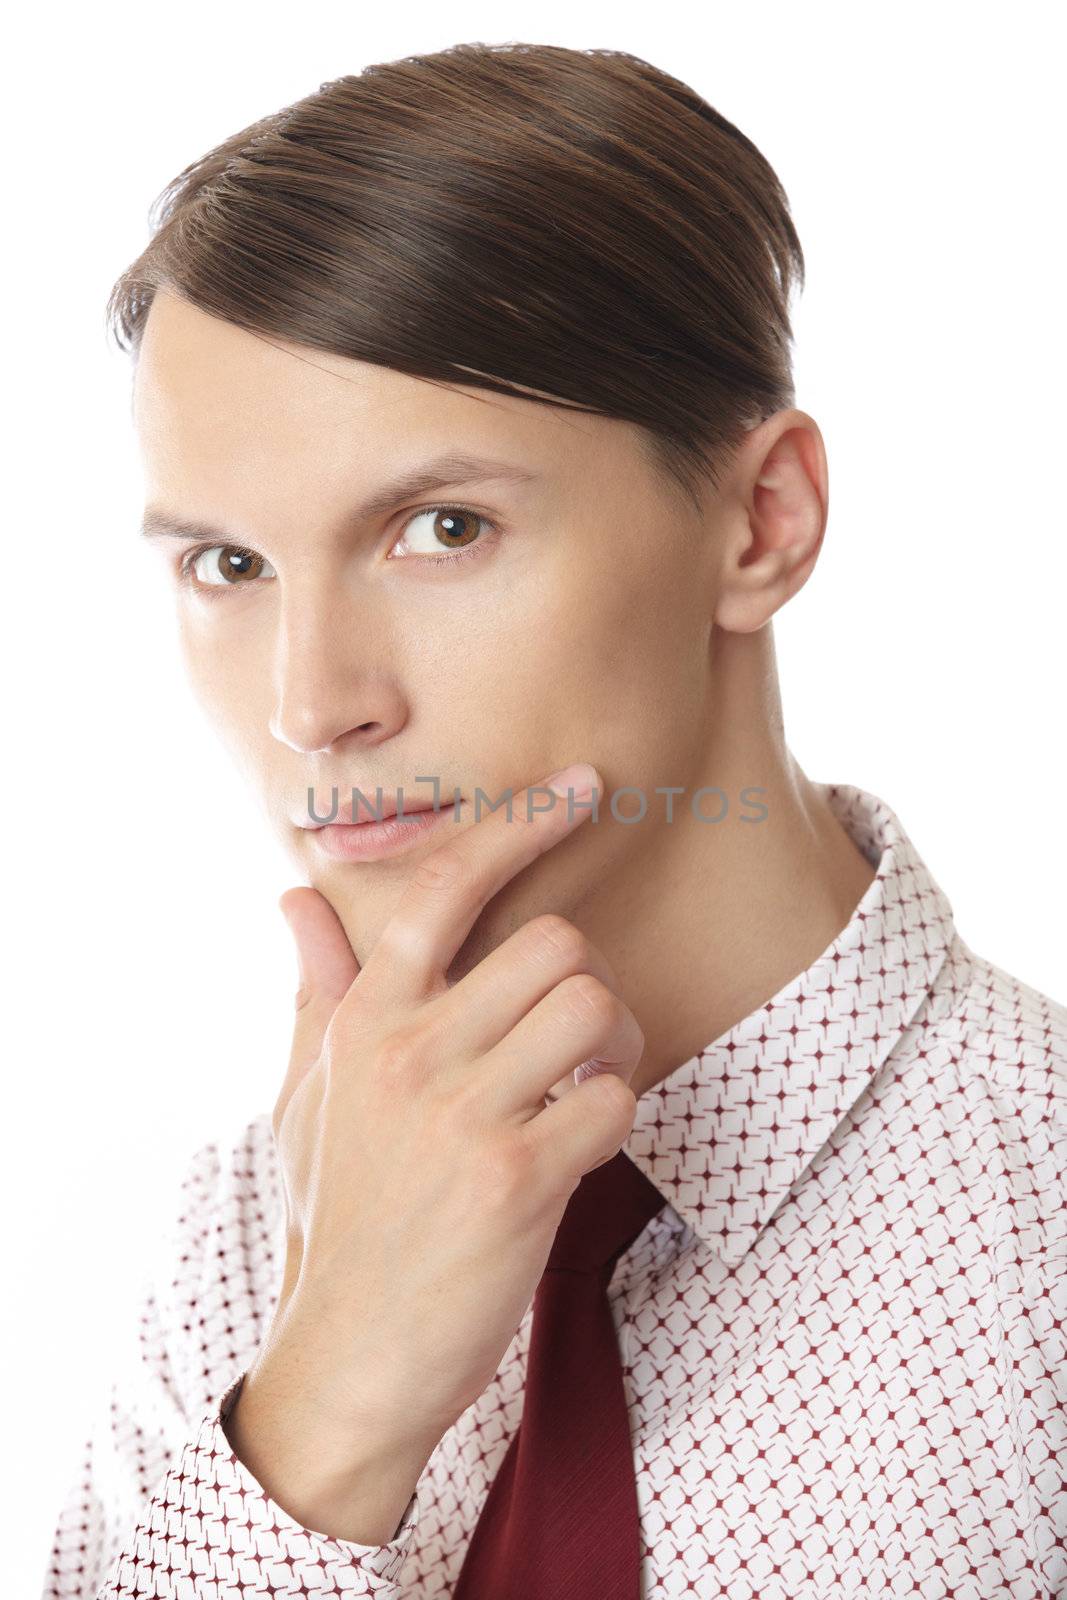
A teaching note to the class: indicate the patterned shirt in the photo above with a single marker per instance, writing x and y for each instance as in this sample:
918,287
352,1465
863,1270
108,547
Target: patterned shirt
844,1338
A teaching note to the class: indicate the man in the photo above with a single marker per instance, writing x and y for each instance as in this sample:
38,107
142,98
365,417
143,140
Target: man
662,1197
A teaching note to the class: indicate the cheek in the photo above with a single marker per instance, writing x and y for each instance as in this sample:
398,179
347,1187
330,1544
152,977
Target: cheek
588,675
229,678
628,643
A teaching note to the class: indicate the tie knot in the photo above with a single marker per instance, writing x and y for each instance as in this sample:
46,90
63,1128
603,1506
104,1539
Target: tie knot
609,1208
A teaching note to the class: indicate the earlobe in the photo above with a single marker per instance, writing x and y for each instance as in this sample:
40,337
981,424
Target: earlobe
751,595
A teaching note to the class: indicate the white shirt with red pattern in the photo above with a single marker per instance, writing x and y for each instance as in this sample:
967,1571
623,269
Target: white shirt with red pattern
844,1338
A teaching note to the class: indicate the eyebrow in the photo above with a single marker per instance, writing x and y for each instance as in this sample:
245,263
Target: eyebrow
442,472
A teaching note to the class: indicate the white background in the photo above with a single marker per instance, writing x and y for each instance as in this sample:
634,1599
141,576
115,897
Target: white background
150,972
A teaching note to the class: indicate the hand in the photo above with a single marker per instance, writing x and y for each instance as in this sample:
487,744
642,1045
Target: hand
425,1169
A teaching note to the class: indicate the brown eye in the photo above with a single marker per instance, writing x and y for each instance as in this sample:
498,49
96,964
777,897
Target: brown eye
444,528
455,528
228,564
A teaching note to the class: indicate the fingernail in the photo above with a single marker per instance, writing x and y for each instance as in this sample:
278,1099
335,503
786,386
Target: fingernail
580,779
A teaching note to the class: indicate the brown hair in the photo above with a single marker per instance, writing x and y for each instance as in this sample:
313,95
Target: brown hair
576,223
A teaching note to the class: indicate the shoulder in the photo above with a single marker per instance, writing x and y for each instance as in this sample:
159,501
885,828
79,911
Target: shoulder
1000,1104
1012,1036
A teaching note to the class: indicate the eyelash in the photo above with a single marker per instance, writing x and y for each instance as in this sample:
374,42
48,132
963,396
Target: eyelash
185,566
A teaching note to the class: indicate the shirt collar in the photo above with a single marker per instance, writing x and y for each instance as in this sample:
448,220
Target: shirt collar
725,1135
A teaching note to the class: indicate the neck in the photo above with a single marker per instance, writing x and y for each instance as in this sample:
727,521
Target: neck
709,920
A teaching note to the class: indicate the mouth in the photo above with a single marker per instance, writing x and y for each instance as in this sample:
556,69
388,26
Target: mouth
371,839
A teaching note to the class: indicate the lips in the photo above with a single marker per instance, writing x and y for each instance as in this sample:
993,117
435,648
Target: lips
372,840
368,809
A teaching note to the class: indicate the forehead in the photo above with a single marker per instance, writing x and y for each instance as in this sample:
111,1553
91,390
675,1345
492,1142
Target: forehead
206,387
270,438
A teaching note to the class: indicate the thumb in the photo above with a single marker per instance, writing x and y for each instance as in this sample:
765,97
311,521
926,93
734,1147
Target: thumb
328,967
325,958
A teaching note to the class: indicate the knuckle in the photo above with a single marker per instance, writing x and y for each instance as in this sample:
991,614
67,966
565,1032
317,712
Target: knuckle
553,937
616,1094
505,1171
587,1001
399,1057
444,871
394,949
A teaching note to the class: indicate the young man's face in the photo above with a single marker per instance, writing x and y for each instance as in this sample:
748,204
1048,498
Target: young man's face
575,628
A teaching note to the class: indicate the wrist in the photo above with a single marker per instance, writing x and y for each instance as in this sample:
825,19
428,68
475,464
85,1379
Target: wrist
344,1484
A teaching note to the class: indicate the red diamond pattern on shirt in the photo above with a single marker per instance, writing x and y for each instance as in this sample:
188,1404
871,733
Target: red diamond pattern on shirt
844,1337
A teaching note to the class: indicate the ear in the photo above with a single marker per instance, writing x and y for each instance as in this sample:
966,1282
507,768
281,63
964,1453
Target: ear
777,502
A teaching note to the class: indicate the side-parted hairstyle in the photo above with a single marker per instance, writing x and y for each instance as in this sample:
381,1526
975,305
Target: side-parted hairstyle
573,223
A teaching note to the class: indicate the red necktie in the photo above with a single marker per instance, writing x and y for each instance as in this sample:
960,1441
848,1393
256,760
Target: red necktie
560,1521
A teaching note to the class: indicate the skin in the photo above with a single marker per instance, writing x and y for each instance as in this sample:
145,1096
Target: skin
600,617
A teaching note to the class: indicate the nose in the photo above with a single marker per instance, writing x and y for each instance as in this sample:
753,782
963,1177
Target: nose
328,670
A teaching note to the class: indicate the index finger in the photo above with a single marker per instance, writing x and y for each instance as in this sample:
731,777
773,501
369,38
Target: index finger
449,888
